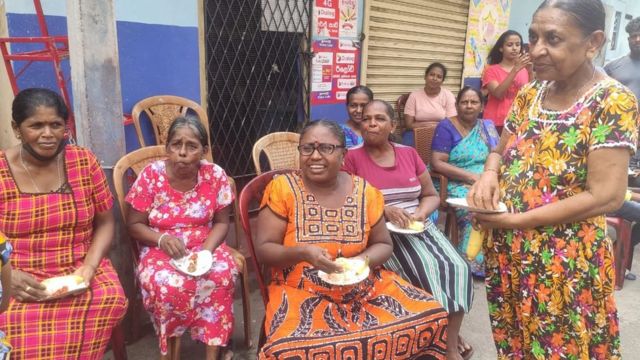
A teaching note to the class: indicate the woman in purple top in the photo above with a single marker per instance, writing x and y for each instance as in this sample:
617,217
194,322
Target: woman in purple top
460,148
426,258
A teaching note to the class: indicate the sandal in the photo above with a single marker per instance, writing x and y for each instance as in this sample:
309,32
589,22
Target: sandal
477,270
630,276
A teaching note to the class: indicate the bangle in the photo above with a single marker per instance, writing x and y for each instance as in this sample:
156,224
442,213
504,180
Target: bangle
161,237
91,266
491,169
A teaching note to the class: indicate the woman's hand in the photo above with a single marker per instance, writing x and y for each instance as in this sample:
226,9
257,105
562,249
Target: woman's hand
472,178
25,287
418,217
172,246
496,221
484,193
523,61
87,272
398,216
319,258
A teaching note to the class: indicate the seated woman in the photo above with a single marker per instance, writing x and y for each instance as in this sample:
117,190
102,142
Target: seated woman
179,206
55,206
357,98
427,259
460,148
309,218
430,104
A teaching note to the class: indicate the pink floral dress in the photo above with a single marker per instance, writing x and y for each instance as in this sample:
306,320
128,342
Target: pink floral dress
177,301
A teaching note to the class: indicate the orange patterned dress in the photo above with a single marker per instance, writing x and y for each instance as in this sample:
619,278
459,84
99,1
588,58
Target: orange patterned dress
382,317
51,234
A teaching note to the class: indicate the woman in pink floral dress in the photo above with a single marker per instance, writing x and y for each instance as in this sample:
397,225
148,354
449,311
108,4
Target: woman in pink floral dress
178,206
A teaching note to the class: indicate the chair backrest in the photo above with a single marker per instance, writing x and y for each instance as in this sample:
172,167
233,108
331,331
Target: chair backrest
161,111
423,138
281,149
400,102
134,161
252,194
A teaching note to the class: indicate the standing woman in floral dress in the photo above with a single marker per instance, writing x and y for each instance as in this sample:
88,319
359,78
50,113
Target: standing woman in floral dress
181,205
560,166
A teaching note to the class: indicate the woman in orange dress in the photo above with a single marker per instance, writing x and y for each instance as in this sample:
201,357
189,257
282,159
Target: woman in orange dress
308,219
55,206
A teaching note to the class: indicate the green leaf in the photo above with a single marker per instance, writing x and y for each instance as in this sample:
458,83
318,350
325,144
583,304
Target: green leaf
600,132
570,138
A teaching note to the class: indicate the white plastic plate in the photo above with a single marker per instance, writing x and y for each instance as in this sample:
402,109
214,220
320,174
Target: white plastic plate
194,266
348,277
462,203
63,286
396,229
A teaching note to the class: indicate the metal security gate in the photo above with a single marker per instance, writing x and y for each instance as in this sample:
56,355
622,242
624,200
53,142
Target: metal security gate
257,63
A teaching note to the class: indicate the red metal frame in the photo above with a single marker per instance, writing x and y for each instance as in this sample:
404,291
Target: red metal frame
54,50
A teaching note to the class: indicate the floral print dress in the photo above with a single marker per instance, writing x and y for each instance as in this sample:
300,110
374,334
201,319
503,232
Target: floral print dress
550,289
177,301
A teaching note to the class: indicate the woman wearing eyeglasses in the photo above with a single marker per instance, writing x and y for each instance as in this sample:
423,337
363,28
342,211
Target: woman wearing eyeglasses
426,259
307,220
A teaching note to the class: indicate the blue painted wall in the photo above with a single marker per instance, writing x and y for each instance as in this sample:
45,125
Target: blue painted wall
157,44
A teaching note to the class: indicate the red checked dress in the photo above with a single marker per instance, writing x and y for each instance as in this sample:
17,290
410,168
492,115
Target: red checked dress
177,301
51,234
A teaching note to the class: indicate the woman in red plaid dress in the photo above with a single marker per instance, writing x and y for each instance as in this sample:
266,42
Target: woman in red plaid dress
55,206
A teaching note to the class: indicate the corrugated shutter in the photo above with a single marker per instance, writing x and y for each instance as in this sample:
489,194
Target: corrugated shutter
404,36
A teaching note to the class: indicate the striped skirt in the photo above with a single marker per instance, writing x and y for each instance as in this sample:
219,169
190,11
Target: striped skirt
429,261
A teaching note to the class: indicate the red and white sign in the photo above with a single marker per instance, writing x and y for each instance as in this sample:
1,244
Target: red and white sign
334,70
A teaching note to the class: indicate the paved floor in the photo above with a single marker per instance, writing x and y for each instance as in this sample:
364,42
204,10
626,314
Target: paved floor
475,329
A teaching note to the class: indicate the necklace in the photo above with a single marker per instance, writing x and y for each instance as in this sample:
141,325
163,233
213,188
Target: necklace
460,125
24,166
578,92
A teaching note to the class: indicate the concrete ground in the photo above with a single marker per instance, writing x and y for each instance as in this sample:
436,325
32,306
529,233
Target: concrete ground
475,329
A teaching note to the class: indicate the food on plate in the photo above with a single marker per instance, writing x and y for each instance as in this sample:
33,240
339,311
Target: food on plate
352,268
192,263
61,285
417,226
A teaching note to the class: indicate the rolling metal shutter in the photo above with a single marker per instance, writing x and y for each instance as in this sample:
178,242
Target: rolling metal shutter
404,36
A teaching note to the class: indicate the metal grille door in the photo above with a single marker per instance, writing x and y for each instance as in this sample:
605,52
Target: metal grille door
257,74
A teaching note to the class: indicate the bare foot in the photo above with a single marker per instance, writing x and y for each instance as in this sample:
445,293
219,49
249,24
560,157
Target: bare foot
464,349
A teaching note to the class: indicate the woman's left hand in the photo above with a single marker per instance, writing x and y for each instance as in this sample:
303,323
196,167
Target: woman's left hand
87,272
496,221
419,217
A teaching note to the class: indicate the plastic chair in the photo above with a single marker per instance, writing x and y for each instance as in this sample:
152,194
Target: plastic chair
402,100
281,149
623,252
250,195
161,111
136,161
423,138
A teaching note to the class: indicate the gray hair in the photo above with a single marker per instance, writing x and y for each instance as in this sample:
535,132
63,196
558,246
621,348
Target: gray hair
191,122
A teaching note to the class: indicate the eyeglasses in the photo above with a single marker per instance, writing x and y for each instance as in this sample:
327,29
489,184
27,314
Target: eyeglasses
324,149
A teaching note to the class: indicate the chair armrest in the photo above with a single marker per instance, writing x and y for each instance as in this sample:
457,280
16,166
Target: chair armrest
443,181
